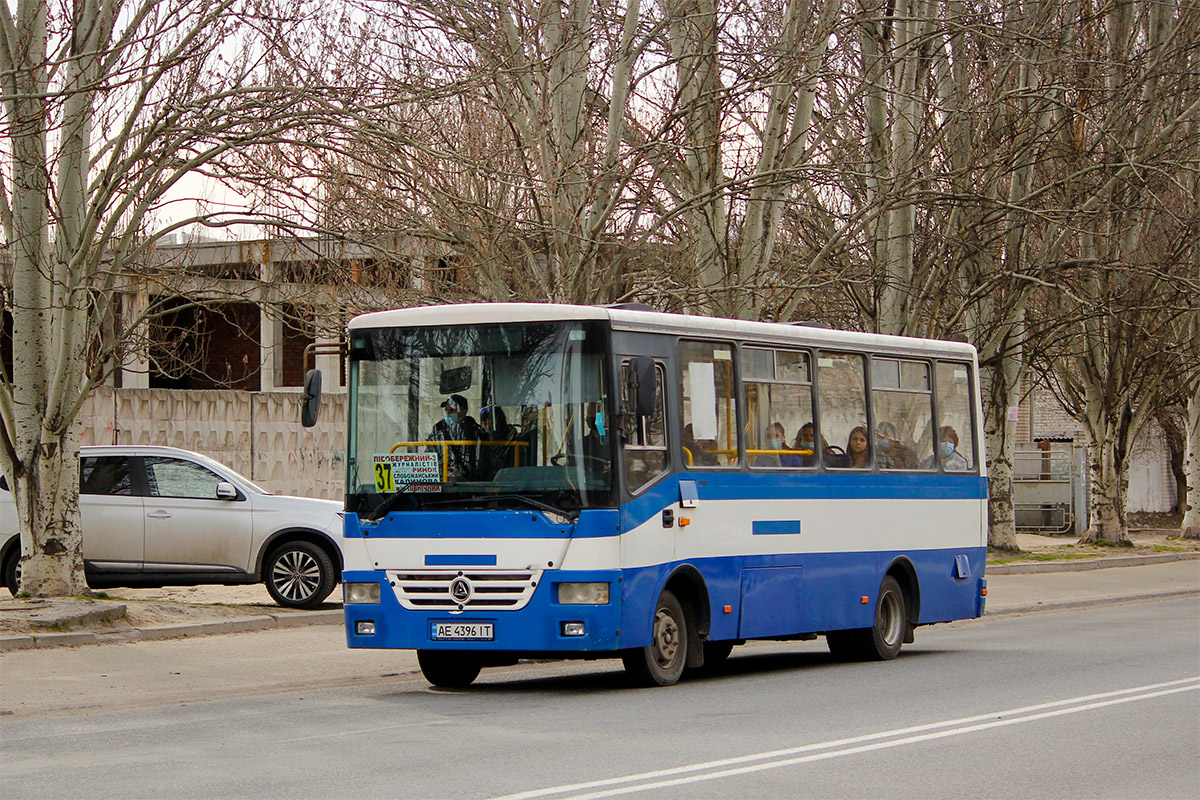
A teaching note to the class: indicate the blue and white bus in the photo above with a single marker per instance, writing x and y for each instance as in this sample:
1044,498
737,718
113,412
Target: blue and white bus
555,481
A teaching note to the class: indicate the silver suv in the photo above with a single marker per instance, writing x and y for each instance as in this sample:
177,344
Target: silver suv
159,516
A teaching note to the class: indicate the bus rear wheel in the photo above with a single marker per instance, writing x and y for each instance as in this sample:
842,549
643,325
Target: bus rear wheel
661,662
449,669
882,641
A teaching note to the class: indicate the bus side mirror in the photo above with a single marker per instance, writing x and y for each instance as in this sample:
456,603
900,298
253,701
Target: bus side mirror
642,385
311,403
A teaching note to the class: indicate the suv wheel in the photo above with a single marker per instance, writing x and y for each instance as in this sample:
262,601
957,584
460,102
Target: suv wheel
10,574
299,575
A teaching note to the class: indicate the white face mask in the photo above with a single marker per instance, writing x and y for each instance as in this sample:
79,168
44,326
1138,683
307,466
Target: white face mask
774,444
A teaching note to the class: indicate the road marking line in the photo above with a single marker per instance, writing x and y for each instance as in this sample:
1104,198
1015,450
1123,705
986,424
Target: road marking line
895,738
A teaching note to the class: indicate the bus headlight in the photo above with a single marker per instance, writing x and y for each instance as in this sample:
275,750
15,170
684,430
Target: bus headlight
583,594
358,593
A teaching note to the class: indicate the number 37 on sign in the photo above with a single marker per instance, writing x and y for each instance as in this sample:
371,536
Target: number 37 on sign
394,470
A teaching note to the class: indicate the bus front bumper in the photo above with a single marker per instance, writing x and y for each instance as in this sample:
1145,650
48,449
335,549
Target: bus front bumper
542,626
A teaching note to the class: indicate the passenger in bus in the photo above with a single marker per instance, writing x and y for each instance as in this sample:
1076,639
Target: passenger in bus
494,457
458,426
596,449
805,440
858,449
952,460
890,452
701,457
773,440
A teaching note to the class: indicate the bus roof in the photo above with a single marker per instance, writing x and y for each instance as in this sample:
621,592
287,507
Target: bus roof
627,319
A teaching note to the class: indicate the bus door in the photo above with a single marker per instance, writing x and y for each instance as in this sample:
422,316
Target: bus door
646,459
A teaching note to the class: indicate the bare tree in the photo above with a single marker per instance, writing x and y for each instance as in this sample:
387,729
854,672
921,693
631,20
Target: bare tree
108,107
1128,254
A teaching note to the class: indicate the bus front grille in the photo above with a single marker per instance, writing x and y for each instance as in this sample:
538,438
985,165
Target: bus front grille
443,590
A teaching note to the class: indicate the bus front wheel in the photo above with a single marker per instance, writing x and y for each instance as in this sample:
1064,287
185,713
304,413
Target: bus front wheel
661,662
449,669
882,641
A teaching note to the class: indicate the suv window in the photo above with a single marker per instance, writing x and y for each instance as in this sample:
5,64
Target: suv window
173,477
105,475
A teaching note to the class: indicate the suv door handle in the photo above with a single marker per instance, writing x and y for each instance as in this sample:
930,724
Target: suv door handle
160,514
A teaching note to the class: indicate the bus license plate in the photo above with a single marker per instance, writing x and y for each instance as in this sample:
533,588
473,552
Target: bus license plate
463,631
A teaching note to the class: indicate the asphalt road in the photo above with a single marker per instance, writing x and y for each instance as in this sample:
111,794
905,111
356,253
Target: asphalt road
1098,702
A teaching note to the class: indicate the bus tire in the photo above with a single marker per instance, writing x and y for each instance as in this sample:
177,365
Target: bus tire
883,640
449,669
661,662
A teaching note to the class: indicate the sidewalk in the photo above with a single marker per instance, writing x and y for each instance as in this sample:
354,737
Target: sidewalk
1012,589
1043,590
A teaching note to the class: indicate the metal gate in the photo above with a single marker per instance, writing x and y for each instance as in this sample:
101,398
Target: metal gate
1050,487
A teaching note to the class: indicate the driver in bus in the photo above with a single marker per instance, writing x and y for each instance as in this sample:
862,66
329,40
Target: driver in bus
457,426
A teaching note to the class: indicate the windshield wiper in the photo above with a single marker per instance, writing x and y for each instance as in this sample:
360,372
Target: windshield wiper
393,499
529,501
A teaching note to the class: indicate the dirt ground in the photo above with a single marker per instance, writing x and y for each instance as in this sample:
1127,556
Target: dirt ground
184,605
1149,534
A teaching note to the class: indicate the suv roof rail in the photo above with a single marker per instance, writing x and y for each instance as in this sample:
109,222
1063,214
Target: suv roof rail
631,307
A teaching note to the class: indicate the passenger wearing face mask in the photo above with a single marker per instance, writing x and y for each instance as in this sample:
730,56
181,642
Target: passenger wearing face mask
890,453
774,441
805,440
952,460
457,426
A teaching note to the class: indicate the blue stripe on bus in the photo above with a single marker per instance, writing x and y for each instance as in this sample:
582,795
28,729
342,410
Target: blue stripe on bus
465,560
802,486
775,527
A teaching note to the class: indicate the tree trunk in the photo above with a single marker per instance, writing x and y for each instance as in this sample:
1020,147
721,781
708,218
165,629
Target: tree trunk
1107,482
47,501
1175,434
1001,391
1191,505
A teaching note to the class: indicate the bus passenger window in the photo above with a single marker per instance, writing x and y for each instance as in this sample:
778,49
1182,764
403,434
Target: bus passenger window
842,403
777,392
956,438
645,443
902,395
709,409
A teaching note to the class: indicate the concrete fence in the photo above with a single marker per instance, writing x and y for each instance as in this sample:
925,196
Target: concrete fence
256,433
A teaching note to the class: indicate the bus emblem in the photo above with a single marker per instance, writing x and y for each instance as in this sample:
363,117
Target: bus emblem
460,590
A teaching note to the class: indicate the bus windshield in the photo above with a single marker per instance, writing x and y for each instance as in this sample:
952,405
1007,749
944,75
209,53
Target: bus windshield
513,415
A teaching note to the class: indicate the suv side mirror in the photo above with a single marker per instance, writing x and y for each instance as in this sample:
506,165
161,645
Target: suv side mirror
311,403
642,385
226,491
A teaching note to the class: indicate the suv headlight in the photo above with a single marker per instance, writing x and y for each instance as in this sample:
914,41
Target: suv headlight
358,593
583,594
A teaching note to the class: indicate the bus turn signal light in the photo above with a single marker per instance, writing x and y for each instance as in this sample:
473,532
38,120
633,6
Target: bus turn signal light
684,522
865,600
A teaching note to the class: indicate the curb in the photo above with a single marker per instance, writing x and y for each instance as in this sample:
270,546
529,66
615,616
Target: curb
1096,601
236,625
1080,565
